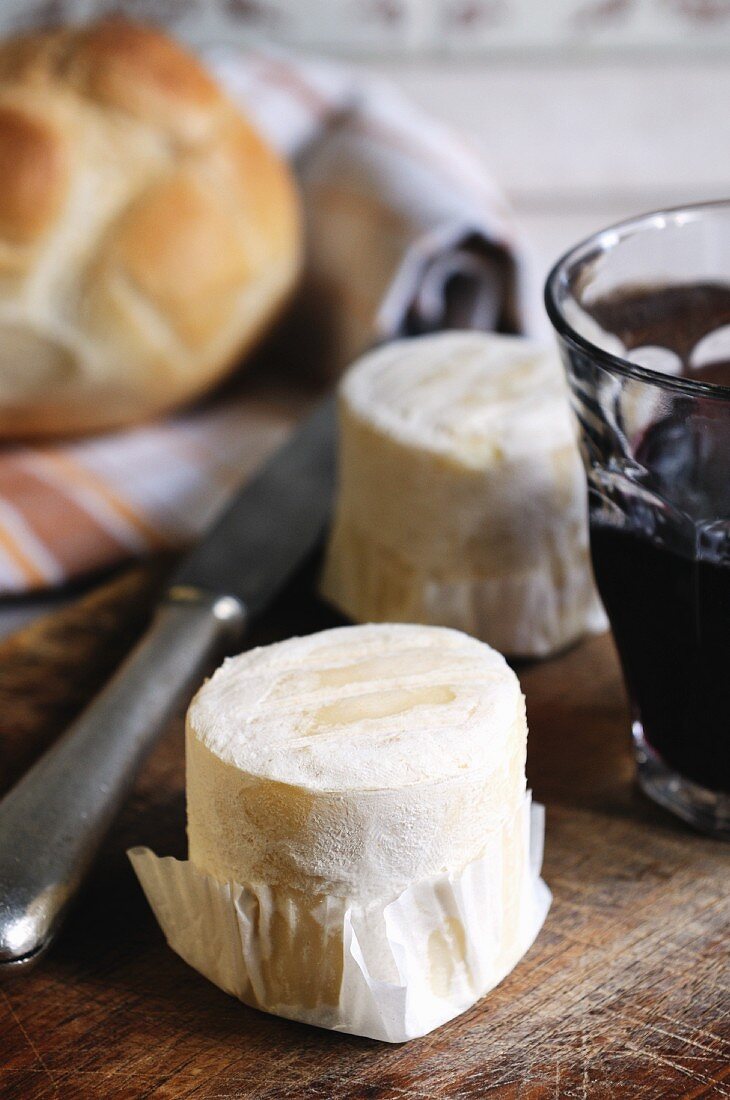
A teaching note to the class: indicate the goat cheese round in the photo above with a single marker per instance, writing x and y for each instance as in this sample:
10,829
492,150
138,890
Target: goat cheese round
355,761
461,499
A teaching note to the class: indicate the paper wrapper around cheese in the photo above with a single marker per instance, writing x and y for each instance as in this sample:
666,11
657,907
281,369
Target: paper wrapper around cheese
444,942
462,497
363,852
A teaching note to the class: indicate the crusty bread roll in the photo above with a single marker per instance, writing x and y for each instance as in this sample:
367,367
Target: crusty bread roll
147,234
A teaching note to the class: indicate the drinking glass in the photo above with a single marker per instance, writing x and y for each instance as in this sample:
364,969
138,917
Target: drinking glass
642,313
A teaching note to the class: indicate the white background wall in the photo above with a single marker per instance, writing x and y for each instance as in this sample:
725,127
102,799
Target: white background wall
579,144
437,27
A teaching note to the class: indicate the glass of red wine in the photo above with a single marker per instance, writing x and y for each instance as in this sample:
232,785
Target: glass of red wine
642,312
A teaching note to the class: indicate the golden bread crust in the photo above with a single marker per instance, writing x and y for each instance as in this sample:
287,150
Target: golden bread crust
33,174
148,235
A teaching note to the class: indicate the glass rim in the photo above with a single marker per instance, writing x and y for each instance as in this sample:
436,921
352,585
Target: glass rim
604,240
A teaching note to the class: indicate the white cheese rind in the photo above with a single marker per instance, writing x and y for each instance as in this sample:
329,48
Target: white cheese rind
355,761
461,498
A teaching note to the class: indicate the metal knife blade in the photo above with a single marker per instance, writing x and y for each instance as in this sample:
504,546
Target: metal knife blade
273,522
54,819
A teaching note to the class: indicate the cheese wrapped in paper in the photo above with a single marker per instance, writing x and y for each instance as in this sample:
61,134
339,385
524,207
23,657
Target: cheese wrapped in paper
462,500
361,850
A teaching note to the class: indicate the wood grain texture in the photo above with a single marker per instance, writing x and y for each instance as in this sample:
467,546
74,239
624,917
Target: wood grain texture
625,994
49,670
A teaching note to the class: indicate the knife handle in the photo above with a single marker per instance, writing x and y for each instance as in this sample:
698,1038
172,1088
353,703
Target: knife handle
54,820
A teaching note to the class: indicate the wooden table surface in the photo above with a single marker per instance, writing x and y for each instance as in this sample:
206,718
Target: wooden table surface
625,993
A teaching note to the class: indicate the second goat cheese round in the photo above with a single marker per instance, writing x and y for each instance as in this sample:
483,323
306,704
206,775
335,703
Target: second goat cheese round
462,498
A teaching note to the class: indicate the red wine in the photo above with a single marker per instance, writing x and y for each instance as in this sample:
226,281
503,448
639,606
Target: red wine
660,541
670,617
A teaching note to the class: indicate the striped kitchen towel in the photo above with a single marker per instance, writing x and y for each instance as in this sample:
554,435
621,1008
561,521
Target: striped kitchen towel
407,232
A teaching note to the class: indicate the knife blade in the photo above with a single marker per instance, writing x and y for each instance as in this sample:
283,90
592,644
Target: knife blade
273,523
53,821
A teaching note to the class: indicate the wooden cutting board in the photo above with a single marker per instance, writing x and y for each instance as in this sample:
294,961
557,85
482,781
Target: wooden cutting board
625,993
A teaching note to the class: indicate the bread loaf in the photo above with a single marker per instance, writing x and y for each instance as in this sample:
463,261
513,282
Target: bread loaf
147,234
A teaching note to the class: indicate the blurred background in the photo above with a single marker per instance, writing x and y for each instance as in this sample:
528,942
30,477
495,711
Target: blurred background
586,111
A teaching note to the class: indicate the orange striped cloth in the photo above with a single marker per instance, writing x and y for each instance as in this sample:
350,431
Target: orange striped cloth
395,205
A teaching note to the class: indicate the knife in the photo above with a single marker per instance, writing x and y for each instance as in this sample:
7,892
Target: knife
53,821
